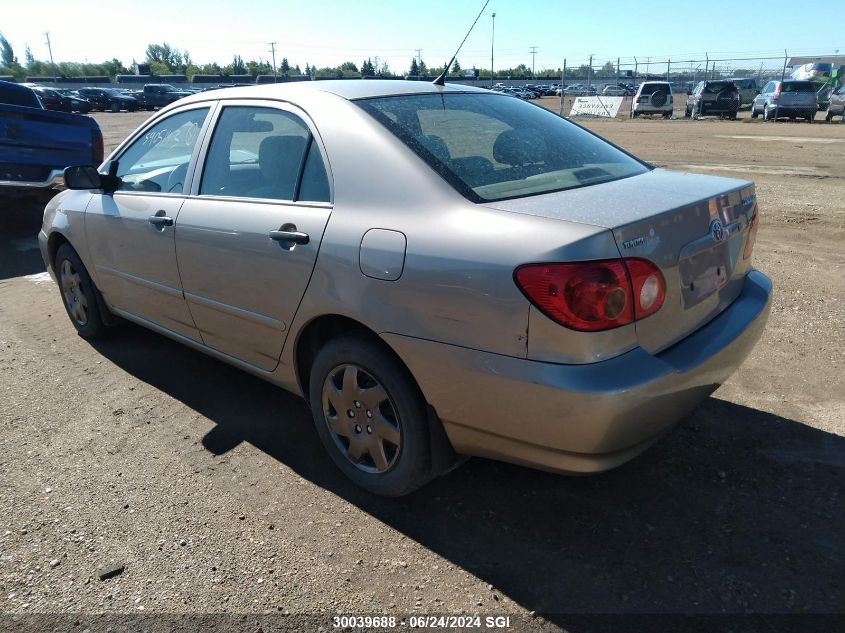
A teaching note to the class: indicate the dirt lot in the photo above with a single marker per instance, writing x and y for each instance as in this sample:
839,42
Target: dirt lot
212,489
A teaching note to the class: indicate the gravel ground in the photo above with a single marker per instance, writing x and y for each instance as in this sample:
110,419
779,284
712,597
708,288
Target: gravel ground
211,488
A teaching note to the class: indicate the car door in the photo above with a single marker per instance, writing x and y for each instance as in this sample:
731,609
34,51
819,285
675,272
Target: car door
247,240
131,231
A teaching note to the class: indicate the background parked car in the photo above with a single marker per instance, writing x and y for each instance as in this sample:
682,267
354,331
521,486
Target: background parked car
792,98
160,95
51,99
719,96
837,105
615,91
748,89
77,103
36,145
108,99
653,97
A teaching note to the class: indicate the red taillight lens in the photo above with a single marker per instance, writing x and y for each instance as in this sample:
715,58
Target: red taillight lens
752,234
776,94
96,146
593,296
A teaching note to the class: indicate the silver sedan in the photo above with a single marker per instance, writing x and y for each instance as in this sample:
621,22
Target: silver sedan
439,271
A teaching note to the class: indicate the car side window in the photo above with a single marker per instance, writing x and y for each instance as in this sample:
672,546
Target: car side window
259,152
157,162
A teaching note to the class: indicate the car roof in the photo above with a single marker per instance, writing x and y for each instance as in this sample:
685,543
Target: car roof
345,88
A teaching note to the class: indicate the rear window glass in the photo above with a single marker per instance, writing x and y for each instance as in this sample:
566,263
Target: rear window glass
797,86
652,88
719,86
494,147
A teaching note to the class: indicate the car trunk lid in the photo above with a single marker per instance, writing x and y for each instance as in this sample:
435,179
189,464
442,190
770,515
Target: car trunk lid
692,227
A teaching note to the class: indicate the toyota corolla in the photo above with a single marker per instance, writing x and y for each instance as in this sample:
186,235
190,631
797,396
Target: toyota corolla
439,271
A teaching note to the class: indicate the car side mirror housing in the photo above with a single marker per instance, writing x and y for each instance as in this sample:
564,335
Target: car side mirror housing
82,177
87,177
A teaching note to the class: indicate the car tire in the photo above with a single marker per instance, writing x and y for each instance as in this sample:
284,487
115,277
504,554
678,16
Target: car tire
767,113
687,113
754,113
828,117
80,296
667,115
370,416
810,117
115,107
732,115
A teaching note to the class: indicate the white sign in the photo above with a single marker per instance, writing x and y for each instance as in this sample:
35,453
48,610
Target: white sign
606,107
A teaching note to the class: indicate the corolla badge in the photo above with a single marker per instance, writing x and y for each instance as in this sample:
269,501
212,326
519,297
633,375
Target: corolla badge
717,230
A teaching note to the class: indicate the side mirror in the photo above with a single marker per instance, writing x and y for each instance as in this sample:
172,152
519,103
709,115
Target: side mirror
82,177
87,177
689,92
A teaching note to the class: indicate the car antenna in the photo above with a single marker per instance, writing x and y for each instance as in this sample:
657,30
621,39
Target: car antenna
441,78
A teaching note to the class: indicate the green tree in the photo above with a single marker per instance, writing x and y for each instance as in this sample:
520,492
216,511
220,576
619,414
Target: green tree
608,70
415,69
285,67
423,69
367,68
349,67
7,55
456,69
165,54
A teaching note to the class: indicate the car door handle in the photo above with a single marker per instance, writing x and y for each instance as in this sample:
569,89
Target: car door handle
294,236
160,219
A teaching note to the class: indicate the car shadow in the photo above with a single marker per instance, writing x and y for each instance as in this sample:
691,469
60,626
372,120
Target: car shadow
737,511
19,224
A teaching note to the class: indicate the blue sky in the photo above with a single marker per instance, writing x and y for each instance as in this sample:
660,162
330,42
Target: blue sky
328,32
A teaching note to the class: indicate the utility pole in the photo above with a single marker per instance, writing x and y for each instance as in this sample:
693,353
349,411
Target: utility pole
590,76
419,60
50,49
533,51
273,52
492,48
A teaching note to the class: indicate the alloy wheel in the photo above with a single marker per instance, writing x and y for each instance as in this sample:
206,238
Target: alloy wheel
361,419
73,293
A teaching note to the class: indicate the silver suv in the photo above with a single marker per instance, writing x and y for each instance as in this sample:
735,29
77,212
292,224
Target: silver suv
747,89
653,97
793,99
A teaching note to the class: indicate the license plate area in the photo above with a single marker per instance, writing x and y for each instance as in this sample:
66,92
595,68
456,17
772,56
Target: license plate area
703,274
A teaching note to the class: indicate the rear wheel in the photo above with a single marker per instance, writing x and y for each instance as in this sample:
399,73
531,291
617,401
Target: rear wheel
79,295
828,117
754,113
370,416
768,113
115,107
811,116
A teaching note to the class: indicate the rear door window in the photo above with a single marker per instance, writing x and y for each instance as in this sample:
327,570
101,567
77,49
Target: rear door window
259,152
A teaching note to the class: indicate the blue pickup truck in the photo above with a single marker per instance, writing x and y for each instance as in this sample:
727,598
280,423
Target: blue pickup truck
37,144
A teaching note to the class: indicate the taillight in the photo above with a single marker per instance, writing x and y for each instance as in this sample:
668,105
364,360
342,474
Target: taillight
776,94
96,146
593,296
752,234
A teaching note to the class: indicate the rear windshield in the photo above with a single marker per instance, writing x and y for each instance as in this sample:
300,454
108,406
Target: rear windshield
797,86
719,86
652,88
494,147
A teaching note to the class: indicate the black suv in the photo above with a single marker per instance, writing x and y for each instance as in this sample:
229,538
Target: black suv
160,95
714,96
108,99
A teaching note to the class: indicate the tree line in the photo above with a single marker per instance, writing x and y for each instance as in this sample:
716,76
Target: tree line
164,59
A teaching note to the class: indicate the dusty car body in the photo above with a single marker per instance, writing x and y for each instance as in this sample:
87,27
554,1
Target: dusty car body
438,270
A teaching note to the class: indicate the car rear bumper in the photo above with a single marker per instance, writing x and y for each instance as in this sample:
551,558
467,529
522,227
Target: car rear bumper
784,109
55,180
581,418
